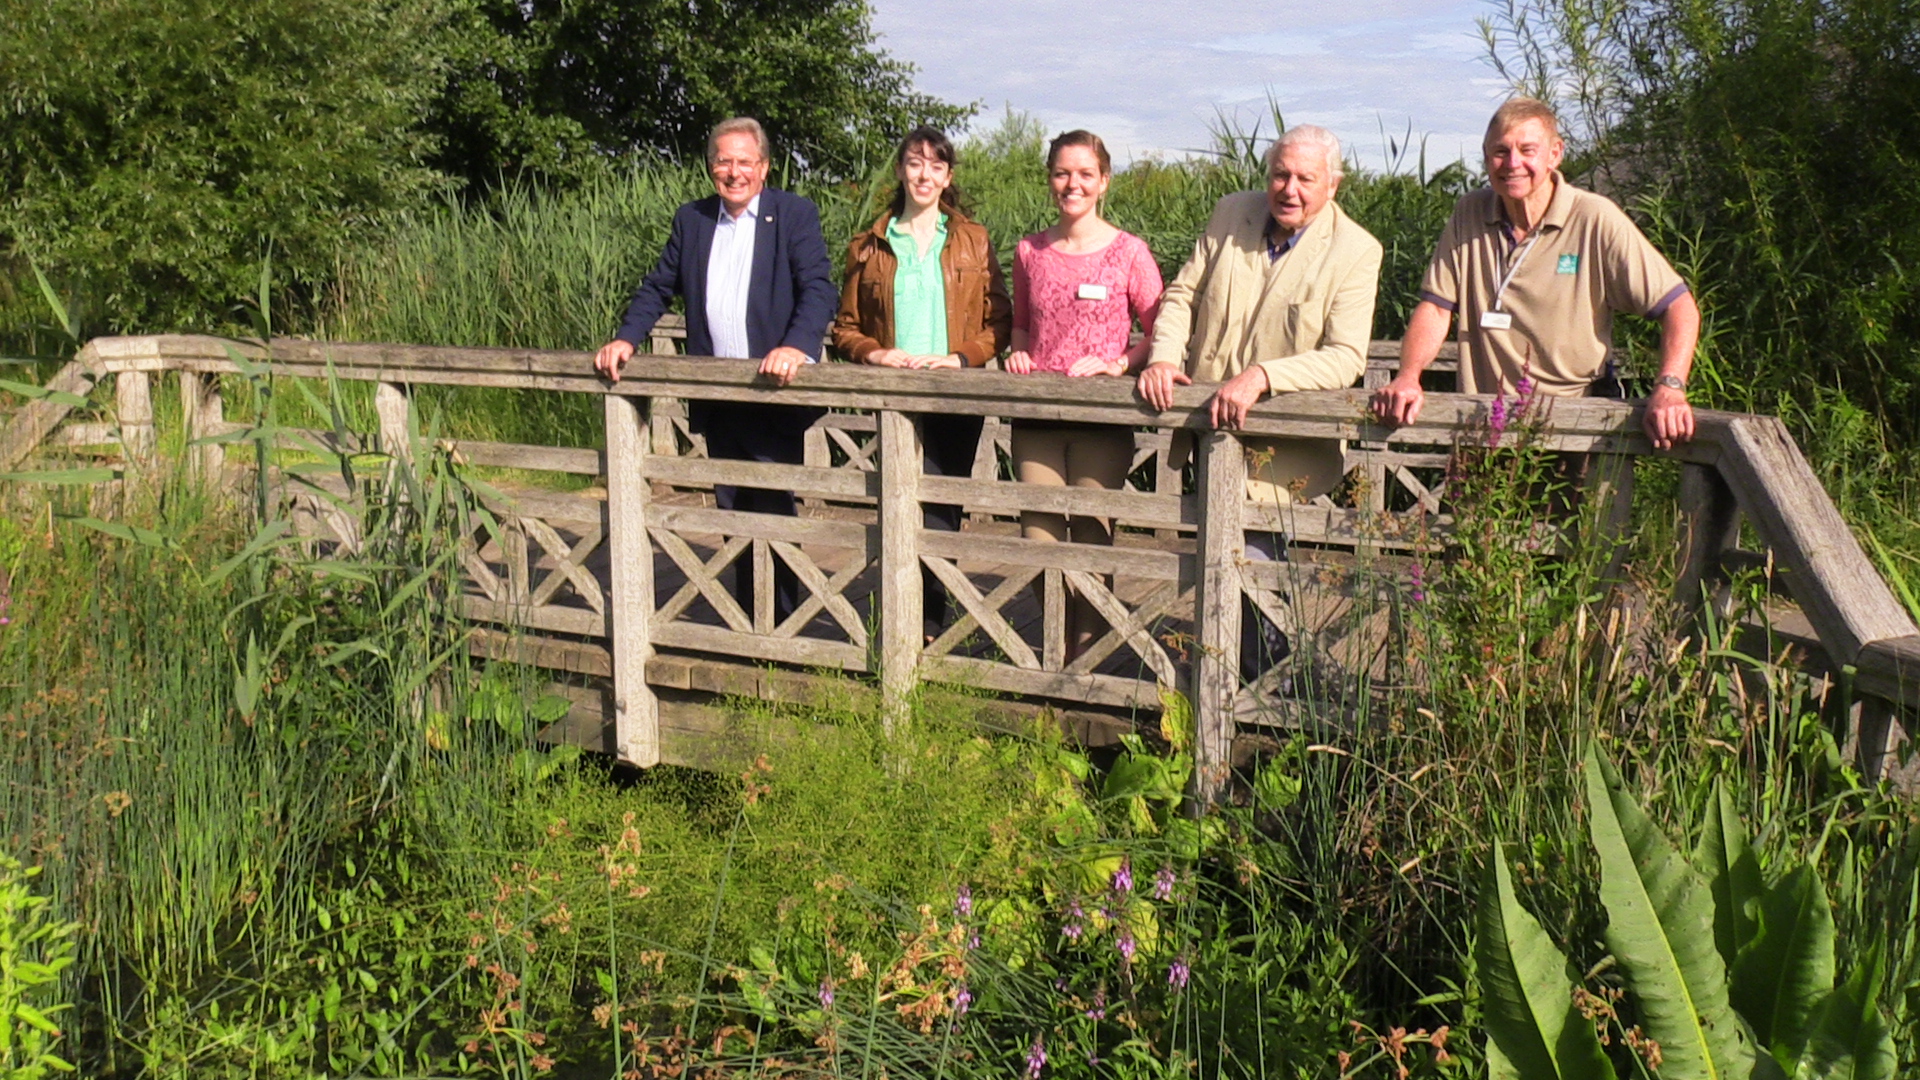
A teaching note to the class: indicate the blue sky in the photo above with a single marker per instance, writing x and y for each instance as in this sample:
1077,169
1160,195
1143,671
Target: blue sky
1150,77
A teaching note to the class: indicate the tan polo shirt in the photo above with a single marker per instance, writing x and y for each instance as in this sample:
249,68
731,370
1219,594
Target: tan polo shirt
1586,261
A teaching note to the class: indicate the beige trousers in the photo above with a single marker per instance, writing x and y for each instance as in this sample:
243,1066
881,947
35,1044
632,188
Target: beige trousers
1072,455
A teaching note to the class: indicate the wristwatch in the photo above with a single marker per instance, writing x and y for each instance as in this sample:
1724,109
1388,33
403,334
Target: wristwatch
1672,382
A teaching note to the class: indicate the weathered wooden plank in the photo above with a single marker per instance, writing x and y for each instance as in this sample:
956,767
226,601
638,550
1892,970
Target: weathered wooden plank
133,408
1834,582
561,459
826,593
982,612
811,652
800,479
33,421
202,412
630,603
1216,670
1891,669
560,620
1112,690
554,654
562,507
900,600
1087,558
91,433
703,520
1711,528
394,406
1142,508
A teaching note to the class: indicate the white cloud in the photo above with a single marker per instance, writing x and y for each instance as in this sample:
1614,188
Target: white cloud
1154,77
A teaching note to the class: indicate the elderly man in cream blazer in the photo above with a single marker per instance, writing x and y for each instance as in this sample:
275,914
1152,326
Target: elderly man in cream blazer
1277,297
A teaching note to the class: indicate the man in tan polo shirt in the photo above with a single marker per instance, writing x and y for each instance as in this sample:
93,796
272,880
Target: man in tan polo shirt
1535,268
1277,297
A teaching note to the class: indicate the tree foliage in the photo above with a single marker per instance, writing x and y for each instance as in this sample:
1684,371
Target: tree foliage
152,149
553,86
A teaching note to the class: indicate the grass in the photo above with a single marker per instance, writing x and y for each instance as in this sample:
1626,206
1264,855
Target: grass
301,836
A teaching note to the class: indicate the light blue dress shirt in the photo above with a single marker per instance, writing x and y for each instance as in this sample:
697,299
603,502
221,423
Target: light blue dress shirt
729,279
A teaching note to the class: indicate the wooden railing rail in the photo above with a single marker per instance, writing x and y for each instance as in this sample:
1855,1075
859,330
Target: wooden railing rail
861,576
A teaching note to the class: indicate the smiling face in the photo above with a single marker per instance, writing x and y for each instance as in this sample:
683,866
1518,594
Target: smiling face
923,176
1521,159
1300,184
1077,181
739,171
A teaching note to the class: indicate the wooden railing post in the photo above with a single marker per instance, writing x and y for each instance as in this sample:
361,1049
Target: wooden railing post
133,402
900,614
1712,529
636,712
202,410
392,403
1216,603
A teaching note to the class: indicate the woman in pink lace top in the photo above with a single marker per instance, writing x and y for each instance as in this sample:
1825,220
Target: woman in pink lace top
1078,288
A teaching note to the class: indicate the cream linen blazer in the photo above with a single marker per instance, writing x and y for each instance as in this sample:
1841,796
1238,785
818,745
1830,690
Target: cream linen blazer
1306,319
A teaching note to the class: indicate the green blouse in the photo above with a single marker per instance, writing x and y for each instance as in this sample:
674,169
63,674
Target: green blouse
919,292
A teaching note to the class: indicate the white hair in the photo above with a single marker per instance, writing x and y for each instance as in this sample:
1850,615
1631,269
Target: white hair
736,126
1310,135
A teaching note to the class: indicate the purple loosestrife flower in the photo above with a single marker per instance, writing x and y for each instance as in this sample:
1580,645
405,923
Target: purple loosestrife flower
962,1001
826,995
1418,574
1123,877
1126,946
1075,921
1099,1009
1178,974
1497,420
1036,1058
963,902
1163,884
1525,388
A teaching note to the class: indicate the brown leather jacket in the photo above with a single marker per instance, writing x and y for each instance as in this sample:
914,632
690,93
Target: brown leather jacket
979,315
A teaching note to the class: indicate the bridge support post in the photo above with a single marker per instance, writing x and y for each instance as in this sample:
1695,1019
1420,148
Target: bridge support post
392,404
1216,670
636,712
203,411
900,614
133,402
1712,529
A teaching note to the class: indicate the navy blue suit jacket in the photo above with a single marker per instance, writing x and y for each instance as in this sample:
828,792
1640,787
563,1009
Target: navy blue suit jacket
792,299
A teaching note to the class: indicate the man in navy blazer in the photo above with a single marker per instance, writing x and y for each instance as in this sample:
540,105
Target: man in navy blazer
753,267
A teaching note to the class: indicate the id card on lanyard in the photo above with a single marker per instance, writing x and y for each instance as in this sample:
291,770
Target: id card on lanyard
1493,318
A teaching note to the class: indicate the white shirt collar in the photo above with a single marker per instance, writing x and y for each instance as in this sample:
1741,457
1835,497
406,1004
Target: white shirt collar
752,210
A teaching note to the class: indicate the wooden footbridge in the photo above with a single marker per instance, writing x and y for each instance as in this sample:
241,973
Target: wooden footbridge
624,584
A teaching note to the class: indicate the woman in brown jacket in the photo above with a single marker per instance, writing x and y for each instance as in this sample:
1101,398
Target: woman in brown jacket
924,290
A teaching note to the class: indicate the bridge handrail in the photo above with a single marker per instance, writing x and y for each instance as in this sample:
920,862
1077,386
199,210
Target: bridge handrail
1738,464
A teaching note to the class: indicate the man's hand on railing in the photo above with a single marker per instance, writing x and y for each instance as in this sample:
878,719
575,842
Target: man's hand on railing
1157,382
611,356
1399,401
782,364
1230,403
1669,418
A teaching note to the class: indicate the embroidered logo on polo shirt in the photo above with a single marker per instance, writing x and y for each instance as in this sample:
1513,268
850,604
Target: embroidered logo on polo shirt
1569,264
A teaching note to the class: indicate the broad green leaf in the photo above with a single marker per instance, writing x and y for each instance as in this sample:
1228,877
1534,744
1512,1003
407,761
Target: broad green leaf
62,476
1176,719
35,393
1732,872
133,533
1787,969
1849,1039
34,1018
67,322
1525,991
1660,928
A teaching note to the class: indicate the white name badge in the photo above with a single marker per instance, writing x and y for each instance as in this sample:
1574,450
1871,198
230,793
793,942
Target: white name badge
1496,320
1091,291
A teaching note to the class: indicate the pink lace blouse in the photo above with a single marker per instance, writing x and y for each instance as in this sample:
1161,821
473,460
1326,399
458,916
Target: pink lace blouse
1062,322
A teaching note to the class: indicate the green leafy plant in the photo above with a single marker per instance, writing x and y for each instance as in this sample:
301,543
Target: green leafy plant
1730,979
34,950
